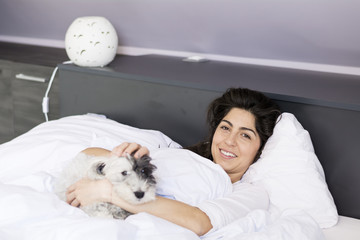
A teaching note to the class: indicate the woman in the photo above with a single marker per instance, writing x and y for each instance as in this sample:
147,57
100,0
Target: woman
240,123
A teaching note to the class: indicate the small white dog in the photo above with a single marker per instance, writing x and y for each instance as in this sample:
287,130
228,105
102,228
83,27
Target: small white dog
132,180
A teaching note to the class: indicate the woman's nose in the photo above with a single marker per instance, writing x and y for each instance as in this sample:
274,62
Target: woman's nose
230,140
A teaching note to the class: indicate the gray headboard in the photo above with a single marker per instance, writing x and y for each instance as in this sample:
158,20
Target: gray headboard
167,94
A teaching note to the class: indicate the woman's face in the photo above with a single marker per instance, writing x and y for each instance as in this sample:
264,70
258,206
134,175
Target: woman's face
235,143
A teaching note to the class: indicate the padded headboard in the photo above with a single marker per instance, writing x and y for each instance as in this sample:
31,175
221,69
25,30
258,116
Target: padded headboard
167,94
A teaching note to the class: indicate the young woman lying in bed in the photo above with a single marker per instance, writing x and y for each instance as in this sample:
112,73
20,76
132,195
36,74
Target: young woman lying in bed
240,122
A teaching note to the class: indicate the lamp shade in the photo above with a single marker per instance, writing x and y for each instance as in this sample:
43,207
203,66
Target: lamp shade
91,41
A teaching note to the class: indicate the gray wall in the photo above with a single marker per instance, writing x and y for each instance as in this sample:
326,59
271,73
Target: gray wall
313,31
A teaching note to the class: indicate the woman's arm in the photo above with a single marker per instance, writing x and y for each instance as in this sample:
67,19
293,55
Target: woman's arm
174,211
94,151
120,150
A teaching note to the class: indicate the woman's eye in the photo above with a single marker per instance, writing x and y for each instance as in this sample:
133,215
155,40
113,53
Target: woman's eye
246,136
124,173
224,128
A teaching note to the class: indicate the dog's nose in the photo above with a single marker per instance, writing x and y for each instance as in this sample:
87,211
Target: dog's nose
139,194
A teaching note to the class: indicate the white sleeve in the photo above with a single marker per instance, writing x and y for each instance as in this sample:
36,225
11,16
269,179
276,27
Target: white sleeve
244,198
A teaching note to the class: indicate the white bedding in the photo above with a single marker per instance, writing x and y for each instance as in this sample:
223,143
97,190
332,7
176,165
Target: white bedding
30,210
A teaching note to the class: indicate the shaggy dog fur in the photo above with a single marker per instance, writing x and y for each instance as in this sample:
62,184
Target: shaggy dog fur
131,177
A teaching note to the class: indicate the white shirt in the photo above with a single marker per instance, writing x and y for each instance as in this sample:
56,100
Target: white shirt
244,198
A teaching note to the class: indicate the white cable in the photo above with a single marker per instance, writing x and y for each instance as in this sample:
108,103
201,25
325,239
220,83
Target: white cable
45,107
45,102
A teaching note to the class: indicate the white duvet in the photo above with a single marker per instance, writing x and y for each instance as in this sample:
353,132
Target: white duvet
30,210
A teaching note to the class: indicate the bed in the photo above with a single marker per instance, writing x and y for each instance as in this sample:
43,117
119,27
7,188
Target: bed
307,167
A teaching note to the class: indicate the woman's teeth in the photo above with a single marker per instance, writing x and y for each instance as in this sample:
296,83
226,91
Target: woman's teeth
228,154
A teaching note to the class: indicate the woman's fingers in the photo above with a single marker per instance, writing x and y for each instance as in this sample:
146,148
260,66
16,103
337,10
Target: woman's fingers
75,203
120,149
70,195
130,148
71,199
141,152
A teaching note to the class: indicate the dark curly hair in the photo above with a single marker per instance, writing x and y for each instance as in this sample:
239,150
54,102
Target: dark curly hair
265,111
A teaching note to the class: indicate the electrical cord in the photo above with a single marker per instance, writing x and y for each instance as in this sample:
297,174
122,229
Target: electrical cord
45,102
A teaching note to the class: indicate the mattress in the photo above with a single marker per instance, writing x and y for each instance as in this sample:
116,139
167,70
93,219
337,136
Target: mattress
347,228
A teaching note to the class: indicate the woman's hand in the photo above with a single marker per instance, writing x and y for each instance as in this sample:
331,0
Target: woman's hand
85,192
130,148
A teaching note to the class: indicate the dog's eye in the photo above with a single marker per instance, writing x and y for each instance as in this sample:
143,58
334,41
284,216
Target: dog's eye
145,171
124,173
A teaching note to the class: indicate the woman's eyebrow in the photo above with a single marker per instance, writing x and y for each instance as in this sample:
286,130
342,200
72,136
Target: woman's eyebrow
242,128
248,129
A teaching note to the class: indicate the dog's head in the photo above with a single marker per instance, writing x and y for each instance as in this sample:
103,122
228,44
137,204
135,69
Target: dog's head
131,177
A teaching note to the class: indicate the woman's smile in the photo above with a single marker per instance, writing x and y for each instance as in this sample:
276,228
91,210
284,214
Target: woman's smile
227,154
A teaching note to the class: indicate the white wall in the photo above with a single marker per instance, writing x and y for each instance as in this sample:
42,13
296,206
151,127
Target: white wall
325,32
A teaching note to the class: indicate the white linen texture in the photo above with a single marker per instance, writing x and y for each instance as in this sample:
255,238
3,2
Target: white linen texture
292,174
31,162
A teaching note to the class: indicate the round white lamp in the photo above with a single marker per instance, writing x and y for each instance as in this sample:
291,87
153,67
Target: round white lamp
91,42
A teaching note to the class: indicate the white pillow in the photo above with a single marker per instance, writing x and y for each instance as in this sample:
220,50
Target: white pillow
292,174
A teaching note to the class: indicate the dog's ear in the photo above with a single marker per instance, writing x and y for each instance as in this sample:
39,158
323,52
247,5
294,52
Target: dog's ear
130,158
145,158
100,167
